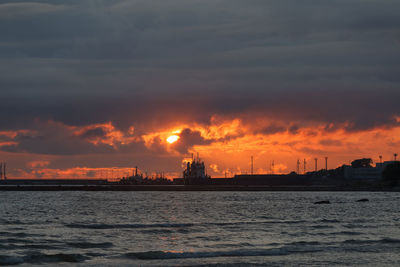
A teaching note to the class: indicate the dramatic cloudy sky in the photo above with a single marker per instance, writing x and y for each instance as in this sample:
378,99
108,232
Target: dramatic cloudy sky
93,85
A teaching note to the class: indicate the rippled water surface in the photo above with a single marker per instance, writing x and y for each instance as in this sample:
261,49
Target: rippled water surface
199,228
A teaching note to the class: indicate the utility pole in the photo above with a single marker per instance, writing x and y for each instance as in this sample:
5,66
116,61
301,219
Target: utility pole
252,165
326,163
316,164
305,166
273,167
298,166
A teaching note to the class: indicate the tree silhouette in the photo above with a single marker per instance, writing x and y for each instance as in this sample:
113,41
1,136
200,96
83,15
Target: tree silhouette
362,163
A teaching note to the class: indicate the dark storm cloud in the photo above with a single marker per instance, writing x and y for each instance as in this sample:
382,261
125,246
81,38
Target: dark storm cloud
93,133
135,62
53,139
49,138
329,142
293,129
157,146
271,129
188,138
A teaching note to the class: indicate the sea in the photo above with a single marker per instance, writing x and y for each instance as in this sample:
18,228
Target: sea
199,228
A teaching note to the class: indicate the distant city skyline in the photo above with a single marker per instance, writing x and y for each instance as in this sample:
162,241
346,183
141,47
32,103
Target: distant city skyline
94,86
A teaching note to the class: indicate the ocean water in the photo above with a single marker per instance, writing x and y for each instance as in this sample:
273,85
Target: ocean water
199,228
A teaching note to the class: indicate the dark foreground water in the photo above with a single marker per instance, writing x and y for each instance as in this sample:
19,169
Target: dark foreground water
199,228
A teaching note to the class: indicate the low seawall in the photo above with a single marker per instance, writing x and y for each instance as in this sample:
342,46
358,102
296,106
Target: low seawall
191,188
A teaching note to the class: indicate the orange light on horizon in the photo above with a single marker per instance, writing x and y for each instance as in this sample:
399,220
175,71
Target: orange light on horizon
172,139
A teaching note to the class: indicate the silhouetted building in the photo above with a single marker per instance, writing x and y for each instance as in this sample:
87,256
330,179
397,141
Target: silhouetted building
195,173
134,179
366,172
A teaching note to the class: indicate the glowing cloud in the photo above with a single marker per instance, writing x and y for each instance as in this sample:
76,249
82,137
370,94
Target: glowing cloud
172,139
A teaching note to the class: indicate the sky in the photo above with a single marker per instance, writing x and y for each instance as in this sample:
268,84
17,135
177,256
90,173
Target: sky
93,88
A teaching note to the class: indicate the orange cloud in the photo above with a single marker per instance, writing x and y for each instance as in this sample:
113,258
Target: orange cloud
226,145
39,169
305,143
8,143
13,134
229,144
217,129
38,164
105,133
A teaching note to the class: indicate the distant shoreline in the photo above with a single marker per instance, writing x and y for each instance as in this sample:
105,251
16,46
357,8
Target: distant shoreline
193,188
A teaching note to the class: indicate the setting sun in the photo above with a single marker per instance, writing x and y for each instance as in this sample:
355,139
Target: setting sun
172,139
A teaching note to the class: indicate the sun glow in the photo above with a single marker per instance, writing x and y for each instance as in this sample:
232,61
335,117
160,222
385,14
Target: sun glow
172,139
